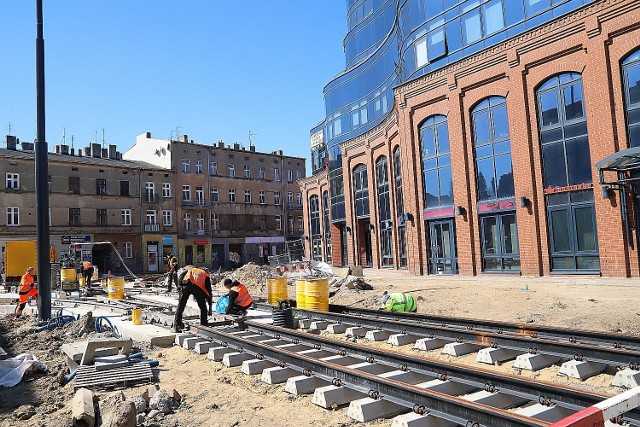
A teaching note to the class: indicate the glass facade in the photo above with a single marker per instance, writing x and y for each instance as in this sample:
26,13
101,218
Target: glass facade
402,231
436,163
361,191
327,227
631,77
316,236
384,212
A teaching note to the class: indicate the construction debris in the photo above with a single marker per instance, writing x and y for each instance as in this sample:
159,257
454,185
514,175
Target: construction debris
83,409
252,275
352,283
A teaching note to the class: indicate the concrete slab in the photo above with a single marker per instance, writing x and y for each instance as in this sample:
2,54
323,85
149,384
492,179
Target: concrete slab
110,362
204,347
190,343
534,362
427,344
377,335
368,409
495,356
336,328
255,366
415,420
319,325
357,332
497,400
301,384
277,375
458,349
372,368
447,387
304,323
341,360
155,335
627,378
401,339
406,377
332,396
317,354
95,343
217,353
235,359
581,370
294,347
179,338
550,414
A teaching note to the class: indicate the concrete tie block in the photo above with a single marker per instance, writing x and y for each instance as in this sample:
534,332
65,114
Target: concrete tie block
357,332
581,370
414,420
497,400
371,368
534,362
296,348
627,378
447,387
550,414
332,396
204,346
368,409
82,408
458,349
377,335
277,375
316,354
257,337
336,328
397,340
110,362
405,377
235,359
495,356
304,323
255,366
341,360
217,353
302,384
190,343
275,342
319,325
427,344
181,337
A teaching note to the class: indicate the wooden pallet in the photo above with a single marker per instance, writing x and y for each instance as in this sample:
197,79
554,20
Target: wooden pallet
88,377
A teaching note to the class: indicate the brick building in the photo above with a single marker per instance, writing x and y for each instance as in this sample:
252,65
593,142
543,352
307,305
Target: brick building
496,137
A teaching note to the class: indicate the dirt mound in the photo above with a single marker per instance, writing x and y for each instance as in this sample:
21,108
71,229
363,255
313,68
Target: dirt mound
252,275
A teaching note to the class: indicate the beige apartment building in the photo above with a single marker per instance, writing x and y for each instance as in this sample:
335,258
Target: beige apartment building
234,205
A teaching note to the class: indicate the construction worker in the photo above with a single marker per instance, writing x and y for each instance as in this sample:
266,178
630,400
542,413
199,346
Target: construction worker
87,273
172,270
28,289
398,302
194,281
239,298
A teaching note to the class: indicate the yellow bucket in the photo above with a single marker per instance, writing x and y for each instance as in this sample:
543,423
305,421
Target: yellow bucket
301,299
276,290
81,281
136,316
67,275
316,292
115,288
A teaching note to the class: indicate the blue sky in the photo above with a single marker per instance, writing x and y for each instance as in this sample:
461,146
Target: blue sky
215,68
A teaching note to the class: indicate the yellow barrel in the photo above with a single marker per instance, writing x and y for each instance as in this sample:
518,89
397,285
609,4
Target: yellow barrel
316,292
67,275
81,281
115,288
276,289
301,299
136,316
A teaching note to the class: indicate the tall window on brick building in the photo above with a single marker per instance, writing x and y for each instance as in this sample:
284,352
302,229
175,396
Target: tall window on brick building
631,78
566,162
384,212
327,227
494,180
361,191
402,230
316,236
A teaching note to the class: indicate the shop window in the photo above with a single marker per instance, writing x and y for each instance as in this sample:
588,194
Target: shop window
436,163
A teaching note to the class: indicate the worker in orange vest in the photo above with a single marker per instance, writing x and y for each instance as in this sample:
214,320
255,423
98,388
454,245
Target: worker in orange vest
28,289
194,281
172,270
87,273
239,298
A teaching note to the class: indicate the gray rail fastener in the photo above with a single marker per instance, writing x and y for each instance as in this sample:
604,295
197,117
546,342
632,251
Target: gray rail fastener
302,384
458,349
332,396
534,362
336,328
368,409
414,420
277,375
231,360
581,369
495,356
397,340
628,378
217,353
427,344
255,366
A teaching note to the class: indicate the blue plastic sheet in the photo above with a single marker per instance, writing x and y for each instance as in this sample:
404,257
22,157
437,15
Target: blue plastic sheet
222,304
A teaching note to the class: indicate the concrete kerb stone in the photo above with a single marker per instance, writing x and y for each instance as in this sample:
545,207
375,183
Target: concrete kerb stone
82,408
377,335
332,396
427,344
627,378
95,343
336,328
397,340
179,339
319,325
231,360
368,409
581,369
302,384
495,356
458,349
357,332
255,366
415,420
277,375
190,343
534,362
217,353
204,346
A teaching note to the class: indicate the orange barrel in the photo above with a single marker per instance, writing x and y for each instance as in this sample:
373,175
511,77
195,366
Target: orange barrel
301,299
115,288
316,292
276,290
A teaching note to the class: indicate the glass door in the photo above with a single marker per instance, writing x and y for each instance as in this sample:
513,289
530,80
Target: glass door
500,249
367,244
442,259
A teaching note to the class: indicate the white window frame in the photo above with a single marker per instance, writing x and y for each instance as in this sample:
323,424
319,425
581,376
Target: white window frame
186,219
149,190
198,166
216,193
289,175
166,189
128,249
125,217
151,217
232,195
247,196
12,181
247,171
13,217
276,174
262,197
276,198
215,222
298,175
300,224
200,221
231,170
186,166
167,218
278,223
200,196
213,168
299,199
261,172
290,198
186,193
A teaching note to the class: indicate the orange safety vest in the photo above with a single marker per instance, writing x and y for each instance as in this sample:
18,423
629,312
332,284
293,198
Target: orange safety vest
86,265
198,277
172,261
26,283
243,299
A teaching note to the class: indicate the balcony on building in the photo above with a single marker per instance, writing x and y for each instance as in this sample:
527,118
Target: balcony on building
294,207
195,203
197,232
151,228
152,198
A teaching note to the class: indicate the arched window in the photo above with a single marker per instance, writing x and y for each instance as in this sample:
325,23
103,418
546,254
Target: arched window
436,163
631,79
384,212
566,162
327,226
361,191
492,149
316,236
402,231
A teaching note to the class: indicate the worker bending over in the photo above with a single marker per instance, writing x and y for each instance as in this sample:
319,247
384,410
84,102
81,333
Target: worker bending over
87,273
194,281
28,289
399,302
239,298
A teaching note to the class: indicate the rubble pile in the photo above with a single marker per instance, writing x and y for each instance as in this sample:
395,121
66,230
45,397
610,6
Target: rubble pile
252,275
349,283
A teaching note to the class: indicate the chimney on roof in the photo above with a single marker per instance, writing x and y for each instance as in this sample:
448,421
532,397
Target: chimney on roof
87,151
221,144
184,138
236,145
112,151
118,155
56,149
148,135
64,149
73,151
80,152
27,146
96,150
11,142
252,148
105,153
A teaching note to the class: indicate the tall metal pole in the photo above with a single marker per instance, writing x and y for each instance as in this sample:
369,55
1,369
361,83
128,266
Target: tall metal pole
42,180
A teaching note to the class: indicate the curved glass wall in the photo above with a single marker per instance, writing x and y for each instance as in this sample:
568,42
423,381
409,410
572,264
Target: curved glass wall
631,80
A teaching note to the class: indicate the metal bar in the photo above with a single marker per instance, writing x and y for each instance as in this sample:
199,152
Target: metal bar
411,395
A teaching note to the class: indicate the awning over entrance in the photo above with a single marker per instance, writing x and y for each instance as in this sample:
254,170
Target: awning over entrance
622,161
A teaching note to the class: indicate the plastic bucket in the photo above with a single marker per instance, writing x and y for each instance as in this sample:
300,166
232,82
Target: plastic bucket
136,316
276,290
301,299
81,281
67,275
316,293
115,288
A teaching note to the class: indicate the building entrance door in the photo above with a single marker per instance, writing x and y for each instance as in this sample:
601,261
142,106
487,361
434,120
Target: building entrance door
152,257
442,256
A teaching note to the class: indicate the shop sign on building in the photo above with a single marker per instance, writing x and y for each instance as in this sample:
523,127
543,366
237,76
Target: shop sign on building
67,240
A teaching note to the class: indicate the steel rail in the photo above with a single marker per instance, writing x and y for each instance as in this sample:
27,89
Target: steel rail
523,343
410,395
